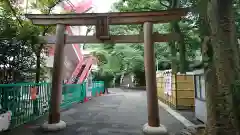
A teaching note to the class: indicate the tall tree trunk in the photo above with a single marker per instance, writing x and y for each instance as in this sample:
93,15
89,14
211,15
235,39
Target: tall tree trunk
38,66
182,48
37,80
209,68
211,88
226,62
38,51
173,57
211,85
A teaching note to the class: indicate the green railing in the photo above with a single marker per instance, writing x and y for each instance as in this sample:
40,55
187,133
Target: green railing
24,102
72,93
29,101
97,87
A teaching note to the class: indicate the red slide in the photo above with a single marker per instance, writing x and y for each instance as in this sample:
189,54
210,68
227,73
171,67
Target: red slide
83,66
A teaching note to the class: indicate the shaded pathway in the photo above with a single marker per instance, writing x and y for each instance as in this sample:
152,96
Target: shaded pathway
122,113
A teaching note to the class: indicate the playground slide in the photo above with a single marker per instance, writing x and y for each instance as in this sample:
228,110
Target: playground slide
82,69
86,70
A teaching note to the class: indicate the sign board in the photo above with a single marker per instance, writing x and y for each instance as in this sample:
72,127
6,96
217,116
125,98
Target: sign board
168,82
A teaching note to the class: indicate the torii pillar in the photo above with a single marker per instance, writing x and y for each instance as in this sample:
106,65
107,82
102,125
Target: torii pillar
153,126
54,123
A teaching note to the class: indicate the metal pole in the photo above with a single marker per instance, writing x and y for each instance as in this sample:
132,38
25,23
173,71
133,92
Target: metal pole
54,114
150,74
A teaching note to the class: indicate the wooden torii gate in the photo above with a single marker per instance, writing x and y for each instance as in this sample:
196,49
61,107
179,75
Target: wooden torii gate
102,21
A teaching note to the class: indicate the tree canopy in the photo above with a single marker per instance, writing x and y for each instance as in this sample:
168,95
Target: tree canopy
128,58
16,60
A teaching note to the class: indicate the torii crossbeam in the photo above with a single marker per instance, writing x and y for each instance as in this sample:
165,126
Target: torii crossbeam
102,22
114,18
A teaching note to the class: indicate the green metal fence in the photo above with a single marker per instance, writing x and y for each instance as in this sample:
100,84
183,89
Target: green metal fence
72,93
97,87
26,101
29,101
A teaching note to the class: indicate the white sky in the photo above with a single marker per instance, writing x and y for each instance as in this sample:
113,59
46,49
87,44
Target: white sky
103,5
100,6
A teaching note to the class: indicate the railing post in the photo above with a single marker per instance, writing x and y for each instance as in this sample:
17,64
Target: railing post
153,126
54,122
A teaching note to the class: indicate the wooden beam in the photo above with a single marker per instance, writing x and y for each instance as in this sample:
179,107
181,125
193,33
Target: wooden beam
113,39
115,18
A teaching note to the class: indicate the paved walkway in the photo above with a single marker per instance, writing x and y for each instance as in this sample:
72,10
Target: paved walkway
120,113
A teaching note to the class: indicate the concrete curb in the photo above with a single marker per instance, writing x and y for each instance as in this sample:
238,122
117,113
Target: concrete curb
176,115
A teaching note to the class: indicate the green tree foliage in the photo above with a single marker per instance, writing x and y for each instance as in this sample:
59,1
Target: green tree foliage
187,27
118,59
237,16
45,7
166,53
16,58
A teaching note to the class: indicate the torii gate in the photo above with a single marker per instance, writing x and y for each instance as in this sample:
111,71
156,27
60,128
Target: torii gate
102,22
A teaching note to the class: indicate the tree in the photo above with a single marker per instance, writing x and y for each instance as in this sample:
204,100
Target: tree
45,7
226,62
166,53
189,43
37,48
116,60
16,53
217,31
162,50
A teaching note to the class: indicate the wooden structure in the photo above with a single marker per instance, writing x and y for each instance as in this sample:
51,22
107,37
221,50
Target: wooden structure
182,90
102,21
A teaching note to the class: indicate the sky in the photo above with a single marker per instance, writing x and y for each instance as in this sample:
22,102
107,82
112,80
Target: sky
103,5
